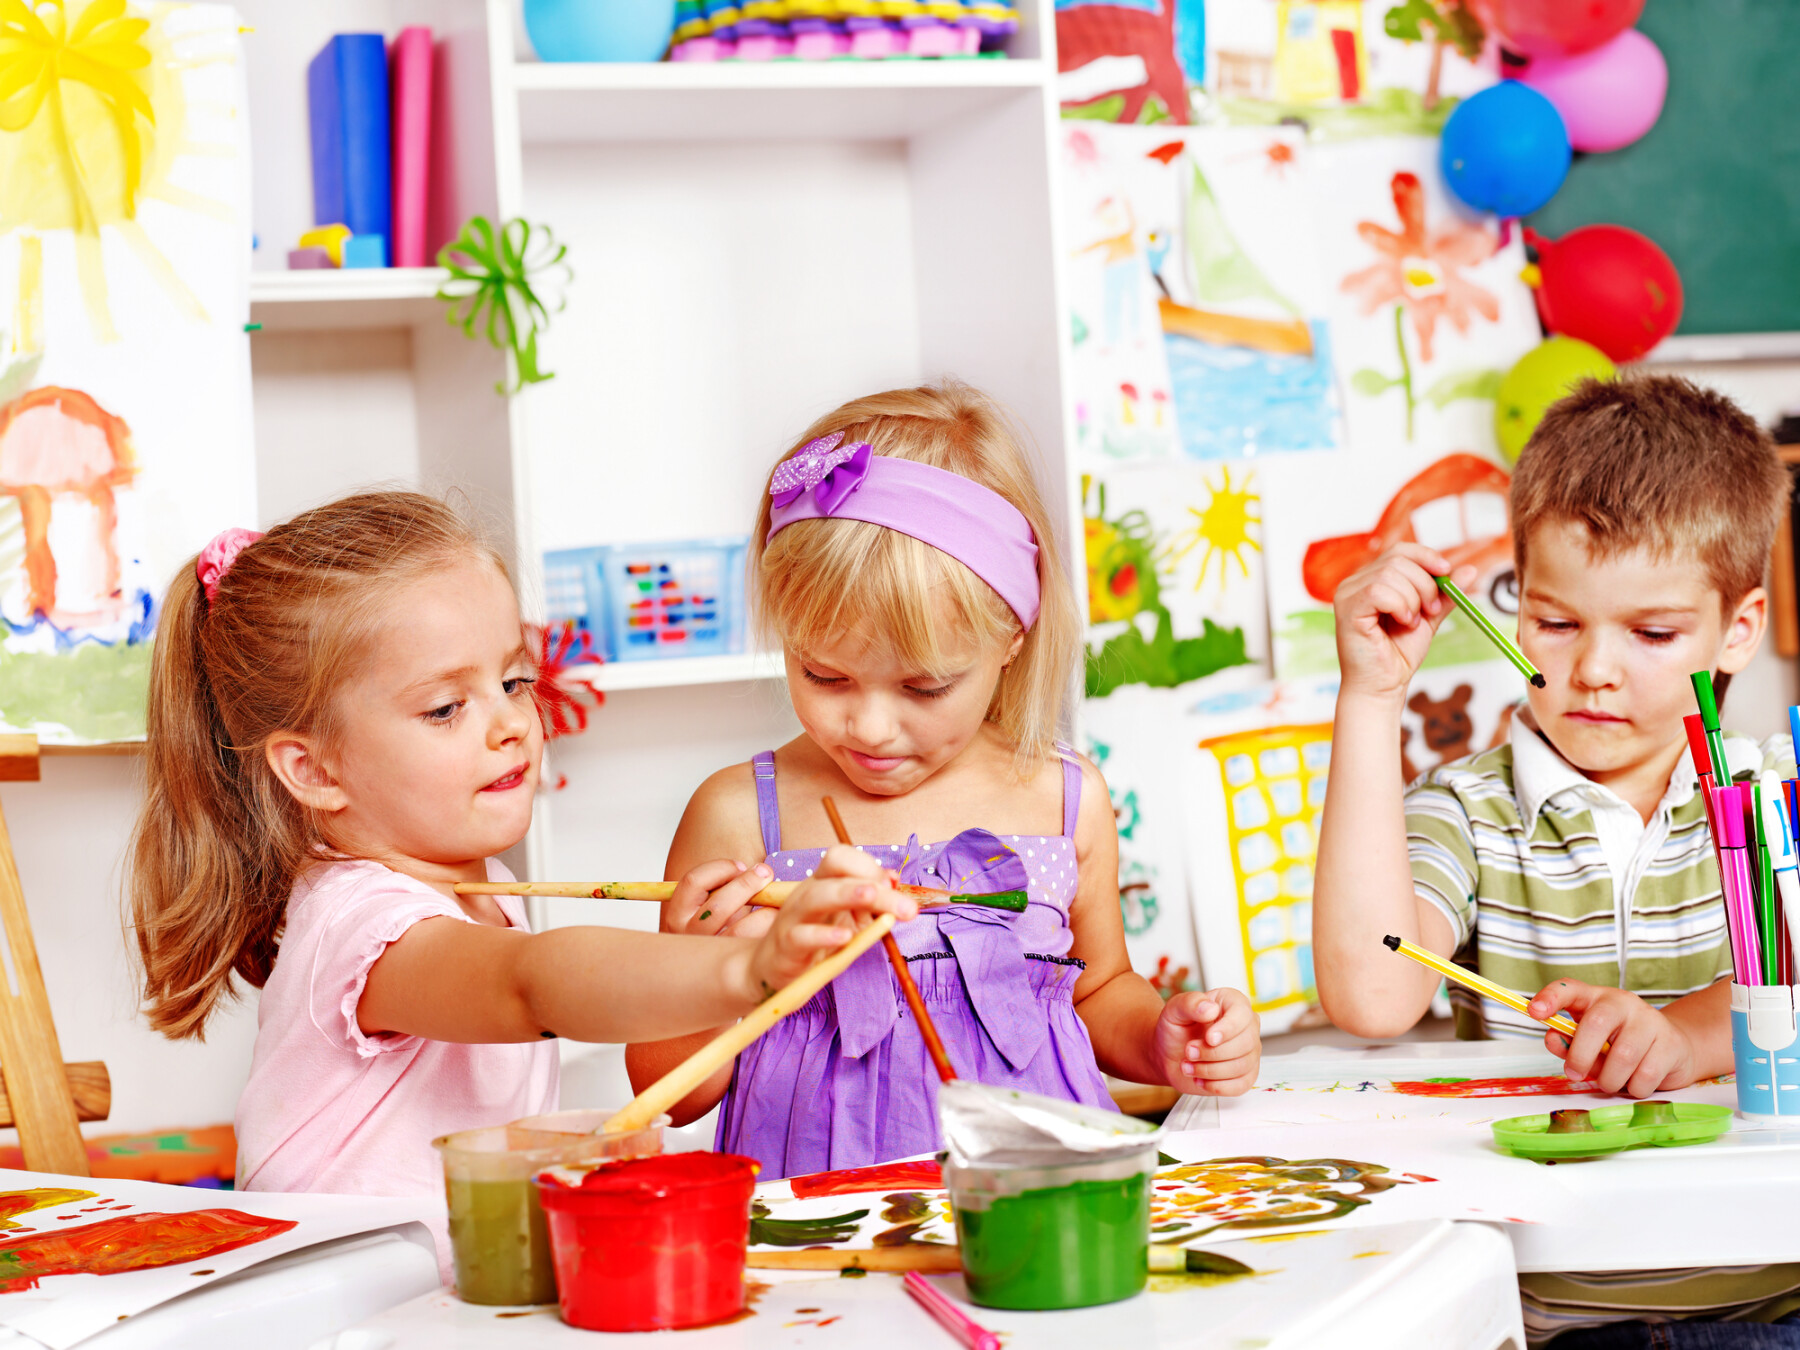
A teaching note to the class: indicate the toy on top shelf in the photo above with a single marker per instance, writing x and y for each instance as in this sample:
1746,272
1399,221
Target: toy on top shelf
821,30
645,601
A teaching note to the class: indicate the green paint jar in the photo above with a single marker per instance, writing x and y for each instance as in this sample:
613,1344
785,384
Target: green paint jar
499,1244
1065,1236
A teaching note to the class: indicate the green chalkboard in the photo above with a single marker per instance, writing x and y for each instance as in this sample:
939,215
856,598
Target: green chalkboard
1716,182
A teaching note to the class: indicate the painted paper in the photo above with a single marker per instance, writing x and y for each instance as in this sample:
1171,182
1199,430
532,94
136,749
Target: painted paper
125,429
1174,574
1253,775
79,1256
1129,60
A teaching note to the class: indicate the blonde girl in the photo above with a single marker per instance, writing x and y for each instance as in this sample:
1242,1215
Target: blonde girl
905,562
341,727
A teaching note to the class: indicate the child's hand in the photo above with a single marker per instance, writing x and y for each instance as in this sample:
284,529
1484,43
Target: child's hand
1209,1043
1387,614
715,898
1650,1053
819,917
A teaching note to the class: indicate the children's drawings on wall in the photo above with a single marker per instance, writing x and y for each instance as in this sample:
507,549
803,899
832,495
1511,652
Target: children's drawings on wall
1127,738
1253,780
76,1262
1228,313
1454,711
1174,574
125,434
1328,518
1129,60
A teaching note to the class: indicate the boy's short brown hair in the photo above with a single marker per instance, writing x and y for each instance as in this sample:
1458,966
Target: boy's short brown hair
1657,462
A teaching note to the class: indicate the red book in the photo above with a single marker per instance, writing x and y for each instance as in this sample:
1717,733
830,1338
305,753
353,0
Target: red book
410,78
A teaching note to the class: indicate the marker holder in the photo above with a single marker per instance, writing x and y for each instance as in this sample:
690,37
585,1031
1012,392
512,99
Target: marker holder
1766,1047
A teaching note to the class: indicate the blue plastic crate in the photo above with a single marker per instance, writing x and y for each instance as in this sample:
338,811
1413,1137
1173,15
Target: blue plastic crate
643,602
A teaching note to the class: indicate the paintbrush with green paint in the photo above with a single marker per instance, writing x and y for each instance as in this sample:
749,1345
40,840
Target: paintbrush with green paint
1508,648
769,897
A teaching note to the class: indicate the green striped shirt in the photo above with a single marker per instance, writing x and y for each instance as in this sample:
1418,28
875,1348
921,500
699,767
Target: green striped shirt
1512,845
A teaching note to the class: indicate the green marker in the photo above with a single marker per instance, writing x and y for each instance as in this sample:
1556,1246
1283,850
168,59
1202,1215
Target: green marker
1709,718
1508,648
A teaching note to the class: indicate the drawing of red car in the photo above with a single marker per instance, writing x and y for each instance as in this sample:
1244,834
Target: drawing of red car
1457,505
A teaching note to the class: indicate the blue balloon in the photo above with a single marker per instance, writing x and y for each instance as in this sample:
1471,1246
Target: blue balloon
1505,150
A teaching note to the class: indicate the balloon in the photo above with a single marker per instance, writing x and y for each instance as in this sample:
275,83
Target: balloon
1504,150
1556,27
1541,376
1609,286
1607,97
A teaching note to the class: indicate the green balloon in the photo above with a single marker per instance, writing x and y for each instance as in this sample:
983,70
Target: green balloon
1543,375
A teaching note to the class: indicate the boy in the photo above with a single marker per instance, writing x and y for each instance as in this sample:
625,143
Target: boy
1575,859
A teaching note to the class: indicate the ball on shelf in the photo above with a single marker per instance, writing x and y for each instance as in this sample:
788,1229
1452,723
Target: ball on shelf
1608,286
1505,150
1607,97
1540,377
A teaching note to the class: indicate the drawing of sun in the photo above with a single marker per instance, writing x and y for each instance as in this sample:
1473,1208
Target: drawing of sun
93,118
1229,524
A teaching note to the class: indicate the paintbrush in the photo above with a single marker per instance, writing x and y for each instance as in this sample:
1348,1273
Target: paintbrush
725,1047
933,1044
940,1258
769,897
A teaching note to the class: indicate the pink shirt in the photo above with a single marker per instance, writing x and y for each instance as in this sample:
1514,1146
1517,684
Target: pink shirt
330,1109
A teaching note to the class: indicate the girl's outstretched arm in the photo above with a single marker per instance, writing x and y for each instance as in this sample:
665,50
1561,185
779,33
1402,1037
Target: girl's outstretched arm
447,980
1195,1042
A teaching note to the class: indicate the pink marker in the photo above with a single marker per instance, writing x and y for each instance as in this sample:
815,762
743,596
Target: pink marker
1740,896
974,1336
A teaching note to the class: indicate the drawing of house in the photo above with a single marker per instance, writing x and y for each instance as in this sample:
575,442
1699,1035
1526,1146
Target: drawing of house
1274,781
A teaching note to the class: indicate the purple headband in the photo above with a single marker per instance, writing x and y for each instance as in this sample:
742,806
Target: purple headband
973,524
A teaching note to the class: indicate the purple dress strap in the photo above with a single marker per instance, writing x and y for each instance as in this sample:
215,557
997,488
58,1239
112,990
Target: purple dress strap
768,808
1071,789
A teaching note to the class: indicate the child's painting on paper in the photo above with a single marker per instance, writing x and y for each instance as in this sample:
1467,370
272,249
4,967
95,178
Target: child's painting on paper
124,367
75,1260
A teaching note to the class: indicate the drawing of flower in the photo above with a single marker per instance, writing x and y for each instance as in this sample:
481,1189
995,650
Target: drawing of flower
1419,271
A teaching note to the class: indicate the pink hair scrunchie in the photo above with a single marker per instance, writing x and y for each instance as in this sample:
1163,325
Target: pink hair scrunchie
216,558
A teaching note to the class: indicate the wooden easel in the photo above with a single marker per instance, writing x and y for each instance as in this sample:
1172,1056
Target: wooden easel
44,1098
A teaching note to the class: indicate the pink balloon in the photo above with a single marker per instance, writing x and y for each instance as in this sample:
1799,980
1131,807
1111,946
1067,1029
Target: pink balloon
1607,97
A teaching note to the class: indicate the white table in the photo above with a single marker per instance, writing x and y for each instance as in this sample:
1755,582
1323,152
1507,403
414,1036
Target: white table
1433,1285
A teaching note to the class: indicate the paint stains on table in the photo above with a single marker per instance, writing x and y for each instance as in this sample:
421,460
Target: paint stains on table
14,1203
136,1242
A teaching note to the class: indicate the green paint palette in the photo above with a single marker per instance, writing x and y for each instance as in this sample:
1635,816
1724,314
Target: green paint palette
1574,1136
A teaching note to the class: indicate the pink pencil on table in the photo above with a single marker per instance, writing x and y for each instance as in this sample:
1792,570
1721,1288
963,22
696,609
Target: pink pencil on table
971,1334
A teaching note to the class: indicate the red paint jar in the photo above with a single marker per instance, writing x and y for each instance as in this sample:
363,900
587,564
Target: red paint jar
650,1244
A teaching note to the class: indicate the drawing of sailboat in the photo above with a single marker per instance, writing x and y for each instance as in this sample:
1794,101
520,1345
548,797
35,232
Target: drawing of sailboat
1223,273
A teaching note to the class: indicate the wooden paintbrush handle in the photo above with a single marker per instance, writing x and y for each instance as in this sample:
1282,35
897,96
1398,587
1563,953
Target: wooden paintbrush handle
771,896
725,1047
930,1258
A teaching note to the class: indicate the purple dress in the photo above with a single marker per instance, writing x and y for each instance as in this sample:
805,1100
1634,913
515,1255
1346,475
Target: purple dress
846,1081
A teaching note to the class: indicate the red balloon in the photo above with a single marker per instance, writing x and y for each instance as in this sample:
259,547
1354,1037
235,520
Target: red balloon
1608,286
1556,27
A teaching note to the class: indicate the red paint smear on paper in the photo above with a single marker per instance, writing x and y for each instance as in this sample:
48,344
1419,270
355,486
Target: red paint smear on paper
138,1242
1554,1086
904,1176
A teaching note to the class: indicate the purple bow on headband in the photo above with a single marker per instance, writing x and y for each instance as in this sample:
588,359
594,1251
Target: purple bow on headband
830,469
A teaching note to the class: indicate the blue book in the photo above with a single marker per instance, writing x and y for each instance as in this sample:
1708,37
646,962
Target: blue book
347,105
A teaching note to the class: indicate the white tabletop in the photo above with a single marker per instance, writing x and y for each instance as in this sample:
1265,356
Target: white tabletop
1427,1284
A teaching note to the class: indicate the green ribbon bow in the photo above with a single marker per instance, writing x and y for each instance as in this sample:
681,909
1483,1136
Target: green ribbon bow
495,279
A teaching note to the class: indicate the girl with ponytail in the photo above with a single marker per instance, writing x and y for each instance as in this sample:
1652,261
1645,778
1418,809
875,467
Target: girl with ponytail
341,727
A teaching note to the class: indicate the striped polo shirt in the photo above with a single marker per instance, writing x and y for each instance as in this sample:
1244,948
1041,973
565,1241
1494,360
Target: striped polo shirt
1545,874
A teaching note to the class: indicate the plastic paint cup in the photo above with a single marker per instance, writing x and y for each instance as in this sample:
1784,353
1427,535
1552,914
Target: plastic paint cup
650,1244
499,1245
1765,1046
1066,1236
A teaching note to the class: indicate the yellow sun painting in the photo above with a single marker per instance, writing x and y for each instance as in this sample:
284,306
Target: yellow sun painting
92,119
1228,525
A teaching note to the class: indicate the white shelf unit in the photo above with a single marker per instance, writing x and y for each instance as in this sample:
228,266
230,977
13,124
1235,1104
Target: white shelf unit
751,245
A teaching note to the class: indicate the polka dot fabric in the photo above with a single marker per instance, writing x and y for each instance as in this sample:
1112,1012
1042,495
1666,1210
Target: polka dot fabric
846,1081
